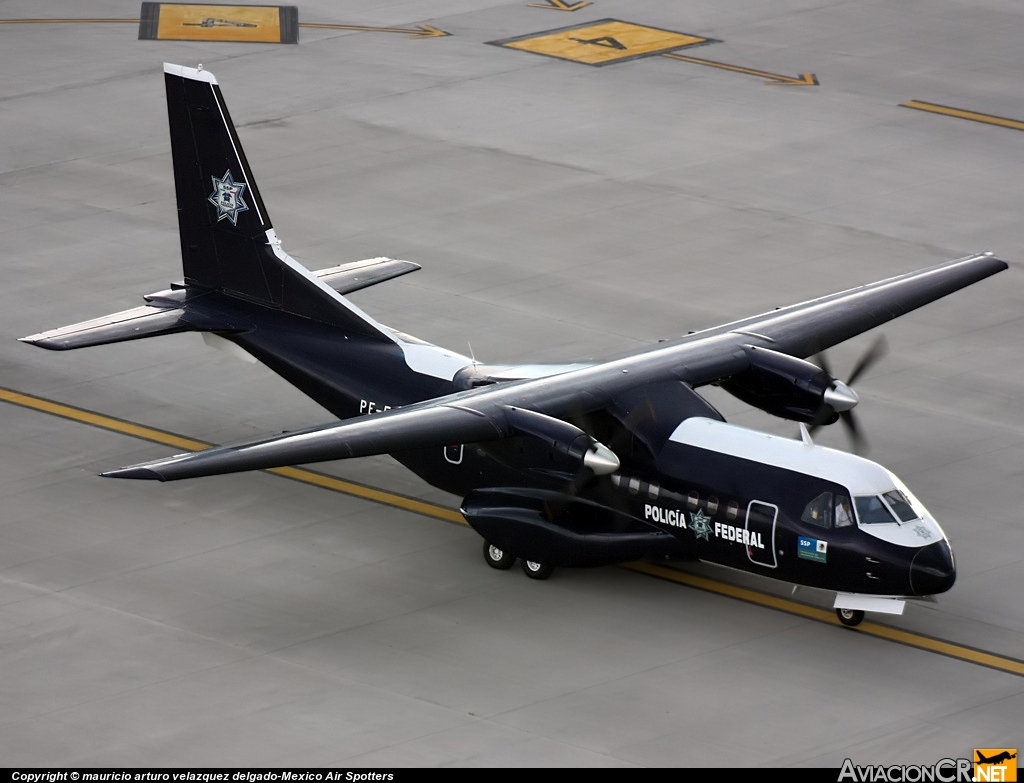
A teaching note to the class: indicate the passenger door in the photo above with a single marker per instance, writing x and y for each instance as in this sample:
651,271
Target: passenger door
761,522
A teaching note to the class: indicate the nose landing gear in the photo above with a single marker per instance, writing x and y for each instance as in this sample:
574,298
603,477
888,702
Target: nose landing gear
850,617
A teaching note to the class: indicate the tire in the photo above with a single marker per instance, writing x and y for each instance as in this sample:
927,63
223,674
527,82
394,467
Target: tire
850,617
497,558
536,570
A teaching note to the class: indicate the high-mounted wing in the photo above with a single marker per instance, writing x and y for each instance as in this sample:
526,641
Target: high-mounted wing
506,409
417,426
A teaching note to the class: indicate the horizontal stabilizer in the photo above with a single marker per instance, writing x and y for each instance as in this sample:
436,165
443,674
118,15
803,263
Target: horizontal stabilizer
134,324
362,274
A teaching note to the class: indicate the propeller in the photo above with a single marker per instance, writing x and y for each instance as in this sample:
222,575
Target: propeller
841,396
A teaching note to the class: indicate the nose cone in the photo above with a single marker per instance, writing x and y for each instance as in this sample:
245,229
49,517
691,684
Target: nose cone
932,570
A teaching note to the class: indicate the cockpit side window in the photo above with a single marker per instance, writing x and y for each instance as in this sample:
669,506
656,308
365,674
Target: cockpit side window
872,511
819,511
898,503
844,512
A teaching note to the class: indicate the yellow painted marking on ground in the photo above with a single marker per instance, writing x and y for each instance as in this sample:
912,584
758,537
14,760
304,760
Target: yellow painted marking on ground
188,444
450,515
732,591
908,638
420,31
561,5
254,23
803,80
99,420
369,493
963,114
602,43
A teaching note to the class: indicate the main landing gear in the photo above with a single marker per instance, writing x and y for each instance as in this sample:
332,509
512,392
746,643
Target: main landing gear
850,617
497,558
537,570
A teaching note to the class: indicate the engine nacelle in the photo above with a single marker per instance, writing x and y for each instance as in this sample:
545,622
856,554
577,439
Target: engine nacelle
565,438
789,387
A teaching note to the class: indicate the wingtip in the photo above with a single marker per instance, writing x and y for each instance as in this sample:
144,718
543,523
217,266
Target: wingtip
133,472
42,340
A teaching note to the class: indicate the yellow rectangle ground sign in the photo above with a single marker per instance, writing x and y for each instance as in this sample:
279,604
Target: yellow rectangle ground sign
194,22
602,42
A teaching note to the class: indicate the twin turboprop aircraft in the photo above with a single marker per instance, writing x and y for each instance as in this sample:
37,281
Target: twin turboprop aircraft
568,465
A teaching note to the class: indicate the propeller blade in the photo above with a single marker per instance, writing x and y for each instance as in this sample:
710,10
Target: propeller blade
860,444
822,361
878,349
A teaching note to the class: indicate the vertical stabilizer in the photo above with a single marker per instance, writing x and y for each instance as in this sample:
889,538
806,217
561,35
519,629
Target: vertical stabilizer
228,243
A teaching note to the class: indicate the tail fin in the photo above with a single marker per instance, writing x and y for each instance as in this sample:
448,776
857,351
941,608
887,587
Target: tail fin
228,243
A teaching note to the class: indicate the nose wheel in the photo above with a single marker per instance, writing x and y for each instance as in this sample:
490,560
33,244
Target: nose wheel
850,617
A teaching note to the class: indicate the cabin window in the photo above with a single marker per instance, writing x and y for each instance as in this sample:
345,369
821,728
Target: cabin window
653,490
634,486
712,505
872,511
732,510
898,502
693,500
819,511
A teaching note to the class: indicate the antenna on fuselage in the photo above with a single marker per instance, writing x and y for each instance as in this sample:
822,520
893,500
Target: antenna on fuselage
805,435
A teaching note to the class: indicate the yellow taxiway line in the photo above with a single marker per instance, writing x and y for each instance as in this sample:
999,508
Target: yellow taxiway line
981,657
188,444
963,114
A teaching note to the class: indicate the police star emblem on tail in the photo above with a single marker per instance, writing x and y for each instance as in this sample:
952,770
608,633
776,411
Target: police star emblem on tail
227,197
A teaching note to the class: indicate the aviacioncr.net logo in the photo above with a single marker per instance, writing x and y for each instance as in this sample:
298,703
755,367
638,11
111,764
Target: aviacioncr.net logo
942,771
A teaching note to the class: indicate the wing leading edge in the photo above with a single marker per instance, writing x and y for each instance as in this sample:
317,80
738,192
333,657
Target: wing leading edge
484,414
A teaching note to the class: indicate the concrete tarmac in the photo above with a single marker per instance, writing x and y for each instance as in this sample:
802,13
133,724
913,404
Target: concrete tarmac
560,211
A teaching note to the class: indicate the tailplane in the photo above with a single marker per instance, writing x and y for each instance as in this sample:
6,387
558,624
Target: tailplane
228,244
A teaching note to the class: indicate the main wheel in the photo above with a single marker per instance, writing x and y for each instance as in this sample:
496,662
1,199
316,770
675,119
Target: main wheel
850,617
498,558
537,570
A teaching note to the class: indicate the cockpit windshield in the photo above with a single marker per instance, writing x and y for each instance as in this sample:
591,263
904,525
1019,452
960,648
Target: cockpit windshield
888,508
900,505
